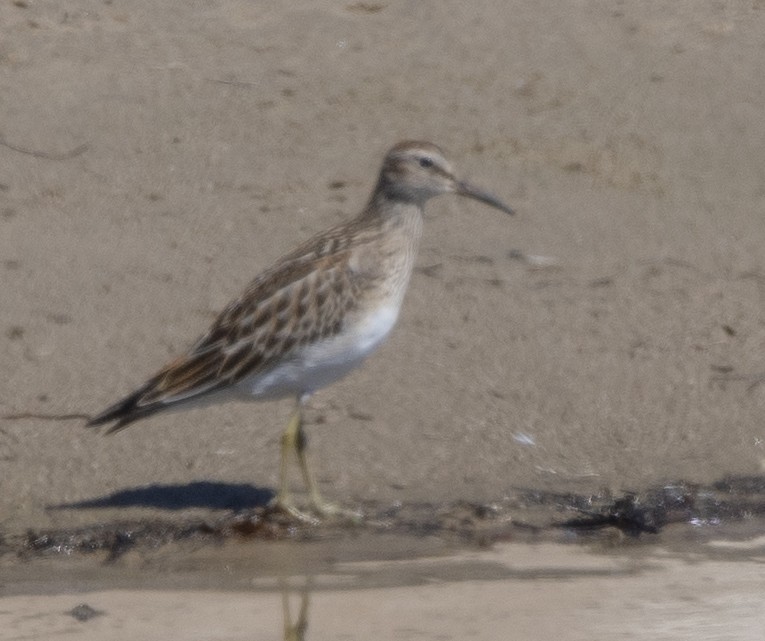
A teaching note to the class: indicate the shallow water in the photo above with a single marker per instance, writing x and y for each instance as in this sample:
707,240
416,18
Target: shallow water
668,563
396,587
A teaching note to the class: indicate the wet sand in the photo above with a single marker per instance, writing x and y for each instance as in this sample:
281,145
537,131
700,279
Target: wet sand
681,568
609,338
535,592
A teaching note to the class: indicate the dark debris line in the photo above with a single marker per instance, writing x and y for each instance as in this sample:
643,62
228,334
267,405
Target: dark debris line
522,517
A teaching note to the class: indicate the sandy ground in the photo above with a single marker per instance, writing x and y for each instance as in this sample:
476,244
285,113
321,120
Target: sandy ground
155,156
217,135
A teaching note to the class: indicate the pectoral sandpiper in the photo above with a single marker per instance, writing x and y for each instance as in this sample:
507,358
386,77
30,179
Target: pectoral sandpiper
313,316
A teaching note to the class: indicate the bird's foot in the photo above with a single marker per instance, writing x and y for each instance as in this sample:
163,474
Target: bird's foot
335,512
322,511
292,511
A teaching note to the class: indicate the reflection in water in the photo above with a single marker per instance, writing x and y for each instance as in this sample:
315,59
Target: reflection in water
295,631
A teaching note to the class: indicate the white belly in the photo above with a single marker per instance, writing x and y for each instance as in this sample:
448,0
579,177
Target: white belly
321,364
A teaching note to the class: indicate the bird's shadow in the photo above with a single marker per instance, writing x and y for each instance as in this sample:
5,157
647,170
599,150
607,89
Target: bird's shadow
199,494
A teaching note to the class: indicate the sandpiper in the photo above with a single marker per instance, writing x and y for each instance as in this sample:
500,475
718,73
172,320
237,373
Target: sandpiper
313,316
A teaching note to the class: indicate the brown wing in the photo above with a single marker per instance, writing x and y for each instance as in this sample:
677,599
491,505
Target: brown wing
304,297
279,312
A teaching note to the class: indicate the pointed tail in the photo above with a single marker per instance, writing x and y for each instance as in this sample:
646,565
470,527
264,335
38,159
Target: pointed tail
124,412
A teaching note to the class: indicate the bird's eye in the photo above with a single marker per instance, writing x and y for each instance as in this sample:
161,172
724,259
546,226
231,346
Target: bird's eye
426,162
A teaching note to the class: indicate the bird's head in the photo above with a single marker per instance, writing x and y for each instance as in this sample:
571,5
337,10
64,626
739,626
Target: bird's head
418,171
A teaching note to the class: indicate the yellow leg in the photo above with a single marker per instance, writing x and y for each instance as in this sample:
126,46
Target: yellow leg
294,440
291,434
301,445
320,506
